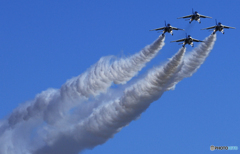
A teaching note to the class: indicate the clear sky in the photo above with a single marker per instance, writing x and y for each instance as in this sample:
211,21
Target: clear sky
45,43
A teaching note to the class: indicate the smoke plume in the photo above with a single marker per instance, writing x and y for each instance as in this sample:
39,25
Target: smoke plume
109,118
54,103
66,121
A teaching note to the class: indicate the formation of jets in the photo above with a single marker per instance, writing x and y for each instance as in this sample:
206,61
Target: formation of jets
194,16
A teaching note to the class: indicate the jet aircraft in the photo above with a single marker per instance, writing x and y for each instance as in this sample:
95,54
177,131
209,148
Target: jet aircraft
168,28
194,16
187,40
218,27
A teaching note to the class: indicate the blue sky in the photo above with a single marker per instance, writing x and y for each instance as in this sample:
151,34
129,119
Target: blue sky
45,43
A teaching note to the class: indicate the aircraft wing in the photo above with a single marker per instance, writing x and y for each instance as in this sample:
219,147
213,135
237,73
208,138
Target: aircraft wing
188,16
195,40
158,29
228,27
179,40
202,16
175,28
209,28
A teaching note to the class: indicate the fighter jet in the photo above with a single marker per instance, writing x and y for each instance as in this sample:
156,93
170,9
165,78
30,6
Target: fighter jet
187,40
168,28
194,16
218,27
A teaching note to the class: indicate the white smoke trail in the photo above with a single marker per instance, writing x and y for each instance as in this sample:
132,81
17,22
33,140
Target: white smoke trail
54,103
193,61
103,121
109,118
51,104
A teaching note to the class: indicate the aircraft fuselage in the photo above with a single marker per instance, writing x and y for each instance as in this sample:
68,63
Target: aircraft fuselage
168,29
195,17
189,41
220,28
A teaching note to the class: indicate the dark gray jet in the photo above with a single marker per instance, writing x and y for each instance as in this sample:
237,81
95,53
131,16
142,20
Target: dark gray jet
188,40
194,16
219,27
168,28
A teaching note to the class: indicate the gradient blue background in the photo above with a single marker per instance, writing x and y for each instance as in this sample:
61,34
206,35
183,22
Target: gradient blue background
44,43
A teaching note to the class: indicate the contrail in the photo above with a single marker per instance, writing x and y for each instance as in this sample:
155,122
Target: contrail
50,105
52,123
53,103
111,117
